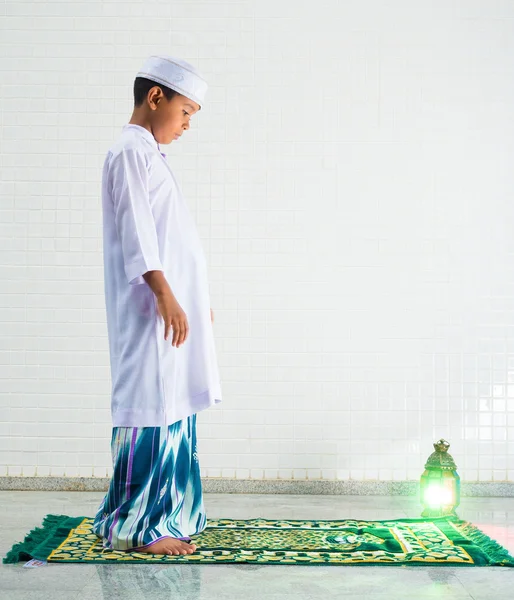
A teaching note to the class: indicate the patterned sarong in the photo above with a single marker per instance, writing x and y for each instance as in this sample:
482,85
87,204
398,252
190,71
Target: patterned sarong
155,491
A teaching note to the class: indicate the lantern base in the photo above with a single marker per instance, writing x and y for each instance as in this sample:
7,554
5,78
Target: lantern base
436,513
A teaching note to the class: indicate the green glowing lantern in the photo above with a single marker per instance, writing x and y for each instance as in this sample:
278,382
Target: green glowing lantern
440,483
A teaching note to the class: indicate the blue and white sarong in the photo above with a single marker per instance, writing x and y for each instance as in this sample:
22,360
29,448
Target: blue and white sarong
156,490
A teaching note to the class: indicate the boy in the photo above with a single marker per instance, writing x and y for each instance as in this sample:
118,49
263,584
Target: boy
155,278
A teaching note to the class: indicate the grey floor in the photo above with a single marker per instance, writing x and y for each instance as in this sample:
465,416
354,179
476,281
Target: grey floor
21,511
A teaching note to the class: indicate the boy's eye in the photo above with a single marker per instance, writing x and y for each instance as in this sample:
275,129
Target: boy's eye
185,112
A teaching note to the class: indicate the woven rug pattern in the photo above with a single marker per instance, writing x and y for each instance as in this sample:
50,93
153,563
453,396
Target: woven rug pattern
435,542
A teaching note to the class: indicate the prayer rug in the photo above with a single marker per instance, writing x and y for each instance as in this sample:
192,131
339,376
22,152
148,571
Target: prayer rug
416,542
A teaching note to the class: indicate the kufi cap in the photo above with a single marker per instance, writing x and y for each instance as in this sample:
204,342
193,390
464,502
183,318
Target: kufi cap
176,74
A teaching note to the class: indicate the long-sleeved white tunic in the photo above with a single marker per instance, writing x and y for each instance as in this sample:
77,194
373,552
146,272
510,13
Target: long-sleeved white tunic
147,226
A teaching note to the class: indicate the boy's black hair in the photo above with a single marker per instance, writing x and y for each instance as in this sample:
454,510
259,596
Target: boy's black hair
142,86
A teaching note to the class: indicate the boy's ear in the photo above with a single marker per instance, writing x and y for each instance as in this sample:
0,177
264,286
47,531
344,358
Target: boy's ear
154,96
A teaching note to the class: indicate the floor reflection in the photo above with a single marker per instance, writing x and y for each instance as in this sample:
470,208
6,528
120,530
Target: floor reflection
160,581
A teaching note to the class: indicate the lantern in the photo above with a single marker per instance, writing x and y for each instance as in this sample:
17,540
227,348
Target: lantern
440,483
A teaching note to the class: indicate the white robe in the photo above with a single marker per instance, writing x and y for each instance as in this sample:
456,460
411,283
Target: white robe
147,226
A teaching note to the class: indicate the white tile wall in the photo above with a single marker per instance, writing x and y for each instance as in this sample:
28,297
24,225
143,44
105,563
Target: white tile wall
351,176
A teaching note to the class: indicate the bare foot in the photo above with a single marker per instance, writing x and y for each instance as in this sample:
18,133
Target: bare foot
169,546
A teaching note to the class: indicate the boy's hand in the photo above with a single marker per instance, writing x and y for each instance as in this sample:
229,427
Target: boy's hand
212,316
168,307
174,317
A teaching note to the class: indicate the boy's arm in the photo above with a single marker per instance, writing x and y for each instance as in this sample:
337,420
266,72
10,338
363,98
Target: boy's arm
133,215
157,282
137,233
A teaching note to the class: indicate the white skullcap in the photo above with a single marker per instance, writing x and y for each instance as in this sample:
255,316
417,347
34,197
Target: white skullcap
176,74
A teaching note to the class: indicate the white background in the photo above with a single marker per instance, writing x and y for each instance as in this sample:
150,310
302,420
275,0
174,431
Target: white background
351,176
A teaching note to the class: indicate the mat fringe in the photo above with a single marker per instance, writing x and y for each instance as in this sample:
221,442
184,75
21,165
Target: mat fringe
40,542
497,554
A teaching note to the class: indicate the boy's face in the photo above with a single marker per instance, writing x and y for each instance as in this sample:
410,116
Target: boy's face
170,117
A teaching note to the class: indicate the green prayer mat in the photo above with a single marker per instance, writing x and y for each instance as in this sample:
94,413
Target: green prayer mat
417,542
